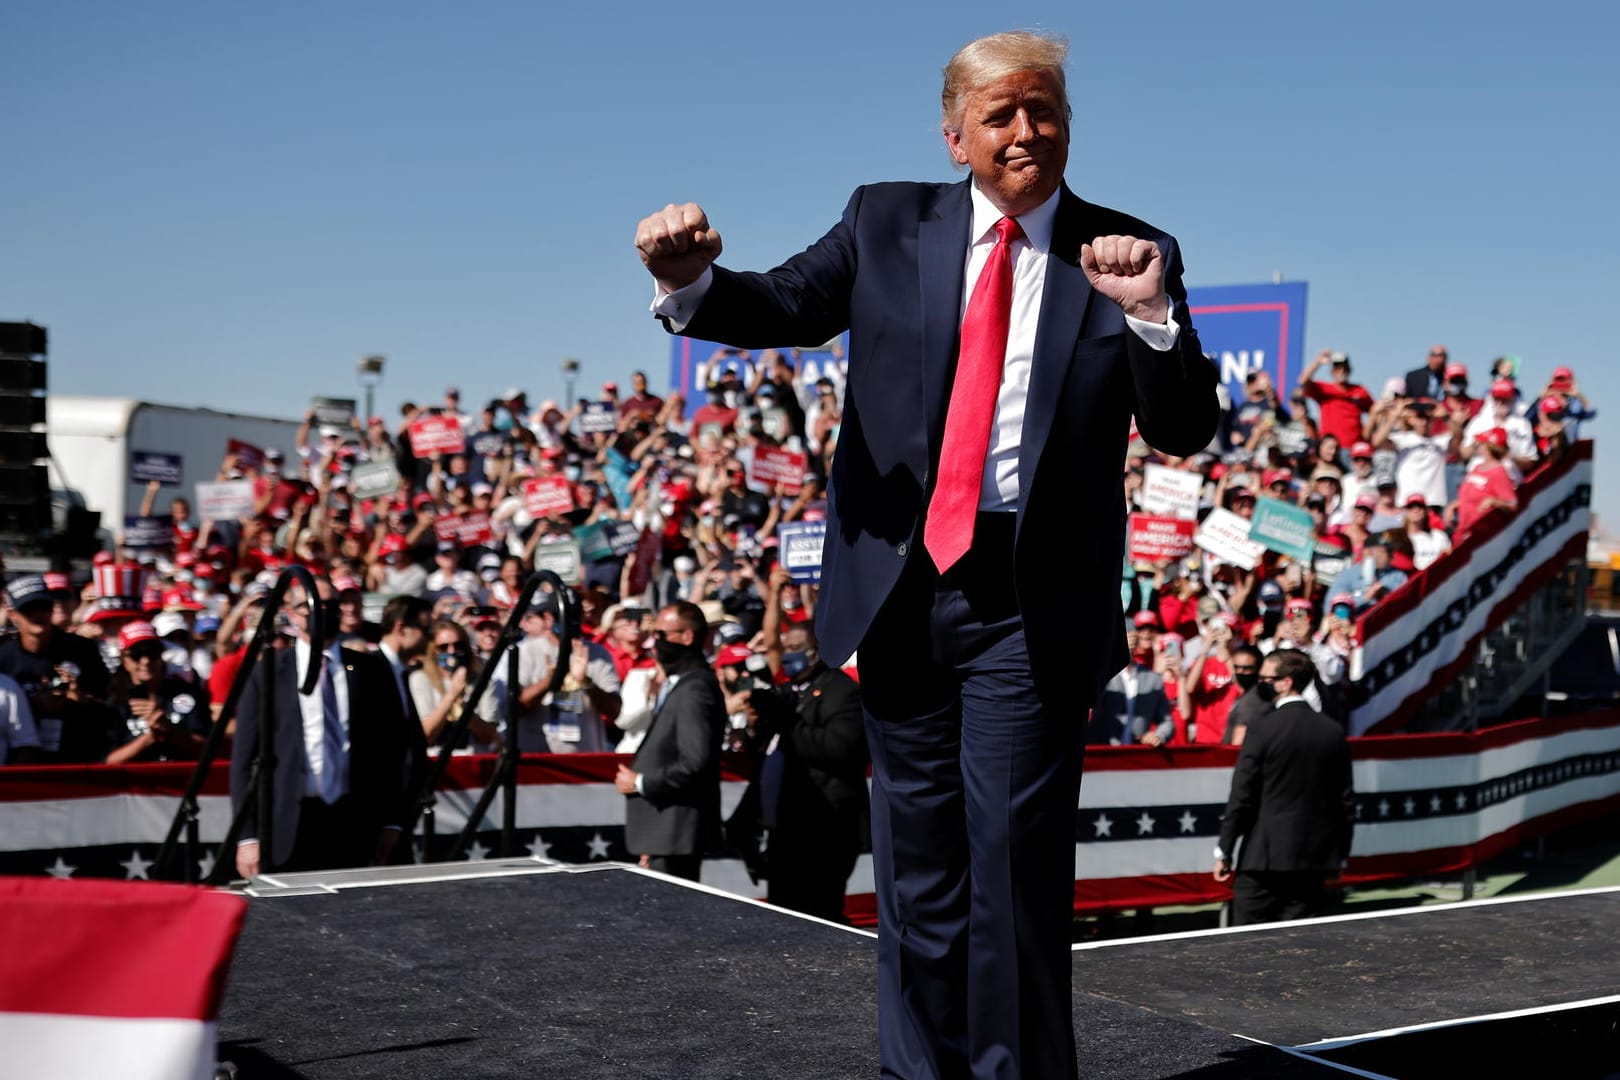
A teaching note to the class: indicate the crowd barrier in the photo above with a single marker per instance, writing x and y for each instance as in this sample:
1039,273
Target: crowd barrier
1148,818
1421,637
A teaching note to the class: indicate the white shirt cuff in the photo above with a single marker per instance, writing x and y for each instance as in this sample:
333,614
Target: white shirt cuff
640,788
678,306
1161,337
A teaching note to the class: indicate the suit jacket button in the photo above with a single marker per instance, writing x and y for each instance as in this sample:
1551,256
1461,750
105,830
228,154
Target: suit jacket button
901,550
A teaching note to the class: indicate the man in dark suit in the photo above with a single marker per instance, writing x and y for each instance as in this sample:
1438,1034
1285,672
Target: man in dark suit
1002,334
812,776
672,813
1429,381
1292,804
339,794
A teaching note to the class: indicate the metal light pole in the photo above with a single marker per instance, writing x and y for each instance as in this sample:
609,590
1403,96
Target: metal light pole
570,368
370,372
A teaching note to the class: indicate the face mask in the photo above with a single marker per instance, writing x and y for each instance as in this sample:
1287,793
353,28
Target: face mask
1247,679
669,652
1266,691
572,472
795,664
503,421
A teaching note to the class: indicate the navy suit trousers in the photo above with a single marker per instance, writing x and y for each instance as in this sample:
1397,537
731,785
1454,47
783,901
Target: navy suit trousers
976,779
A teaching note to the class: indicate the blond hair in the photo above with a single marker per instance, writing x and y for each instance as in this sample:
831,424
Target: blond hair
984,60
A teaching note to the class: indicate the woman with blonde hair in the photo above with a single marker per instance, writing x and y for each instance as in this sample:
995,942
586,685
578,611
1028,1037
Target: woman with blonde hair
440,684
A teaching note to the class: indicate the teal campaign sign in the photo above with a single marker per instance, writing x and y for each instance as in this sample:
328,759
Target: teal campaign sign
1284,528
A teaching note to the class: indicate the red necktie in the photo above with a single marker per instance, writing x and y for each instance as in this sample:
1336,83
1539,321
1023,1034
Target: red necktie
948,532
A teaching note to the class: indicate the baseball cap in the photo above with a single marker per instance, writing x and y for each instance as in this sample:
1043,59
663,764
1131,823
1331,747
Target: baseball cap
610,388
544,603
1415,499
1456,371
1145,618
1496,437
207,624
1361,450
136,632
343,583
1504,388
1551,405
1298,606
731,632
1271,594
1366,501
1384,480
26,590
1340,359
1562,376
452,391
180,600
732,654
168,622
448,547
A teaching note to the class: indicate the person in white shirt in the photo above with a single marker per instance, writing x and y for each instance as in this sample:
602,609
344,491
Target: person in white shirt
1428,544
1420,458
1499,413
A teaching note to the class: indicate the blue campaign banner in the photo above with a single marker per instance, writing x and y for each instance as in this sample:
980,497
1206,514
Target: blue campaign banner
1246,328
693,364
146,466
798,549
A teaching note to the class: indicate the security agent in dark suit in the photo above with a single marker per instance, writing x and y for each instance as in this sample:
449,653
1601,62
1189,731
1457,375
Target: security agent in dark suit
811,780
672,811
975,421
1429,381
342,755
1292,803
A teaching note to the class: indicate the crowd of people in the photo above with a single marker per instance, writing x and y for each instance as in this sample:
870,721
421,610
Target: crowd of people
1390,482
137,663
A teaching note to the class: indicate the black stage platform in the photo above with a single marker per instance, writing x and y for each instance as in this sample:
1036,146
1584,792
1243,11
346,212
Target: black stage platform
525,968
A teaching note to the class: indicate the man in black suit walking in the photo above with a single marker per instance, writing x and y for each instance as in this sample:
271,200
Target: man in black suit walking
672,814
1429,381
1292,802
339,794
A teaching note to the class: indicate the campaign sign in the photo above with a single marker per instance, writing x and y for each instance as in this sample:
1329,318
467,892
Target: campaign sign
1330,562
546,496
225,501
1246,328
593,541
1225,535
1154,537
1284,528
562,559
799,545
148,533
599,416
693,364
248,456
332,412
373,479
468,530
437,435
774,466
623,535
1172,492
146,466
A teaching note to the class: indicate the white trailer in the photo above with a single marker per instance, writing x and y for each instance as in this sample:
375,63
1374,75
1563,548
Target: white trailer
92,439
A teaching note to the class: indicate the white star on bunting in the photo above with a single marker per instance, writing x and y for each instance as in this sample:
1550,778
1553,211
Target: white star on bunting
60,869
1188,822
136,867
1144,825
1103,826
477,852
599,846
539,848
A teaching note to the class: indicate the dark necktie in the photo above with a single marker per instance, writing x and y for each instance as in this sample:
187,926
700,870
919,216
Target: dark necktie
948,531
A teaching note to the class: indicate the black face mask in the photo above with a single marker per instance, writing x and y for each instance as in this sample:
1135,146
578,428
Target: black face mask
1247,679
671,653
1267,691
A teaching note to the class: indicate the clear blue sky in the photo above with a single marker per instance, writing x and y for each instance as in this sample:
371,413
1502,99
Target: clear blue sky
219,206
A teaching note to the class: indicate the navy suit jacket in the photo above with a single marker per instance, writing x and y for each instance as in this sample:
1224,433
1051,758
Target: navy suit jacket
379,751
891,272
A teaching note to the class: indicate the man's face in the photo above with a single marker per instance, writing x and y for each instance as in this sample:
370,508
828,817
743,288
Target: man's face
1417,515
670,628
1259,388
1341,374
33,617
413,634
638,383
1268,672
626,633
1015,137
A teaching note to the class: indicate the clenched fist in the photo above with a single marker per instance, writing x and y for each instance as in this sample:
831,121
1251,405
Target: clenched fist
677,244
1130,272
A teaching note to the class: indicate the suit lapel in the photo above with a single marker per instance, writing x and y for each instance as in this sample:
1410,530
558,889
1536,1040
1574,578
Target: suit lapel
1063,311
941,264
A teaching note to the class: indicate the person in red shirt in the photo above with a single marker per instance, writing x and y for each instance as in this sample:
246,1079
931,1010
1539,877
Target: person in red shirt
1489,486
1208,691
1343,402
623,639
640,402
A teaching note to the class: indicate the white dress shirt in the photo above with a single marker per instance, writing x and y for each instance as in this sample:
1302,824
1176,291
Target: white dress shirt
314,716
999,487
